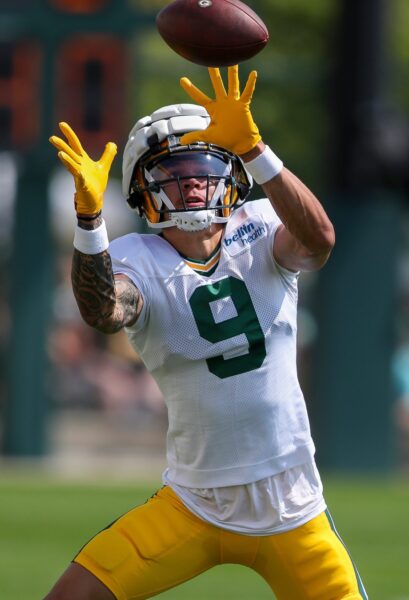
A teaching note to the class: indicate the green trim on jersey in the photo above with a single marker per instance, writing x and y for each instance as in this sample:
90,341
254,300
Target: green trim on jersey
204,267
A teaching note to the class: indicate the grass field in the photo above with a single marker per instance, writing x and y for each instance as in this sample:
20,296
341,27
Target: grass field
43,523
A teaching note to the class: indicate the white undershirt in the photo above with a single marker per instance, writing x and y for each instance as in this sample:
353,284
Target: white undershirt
271,505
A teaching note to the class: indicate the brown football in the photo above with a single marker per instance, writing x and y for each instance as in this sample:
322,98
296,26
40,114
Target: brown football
214,33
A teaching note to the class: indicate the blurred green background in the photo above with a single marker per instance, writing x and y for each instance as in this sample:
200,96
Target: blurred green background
332,100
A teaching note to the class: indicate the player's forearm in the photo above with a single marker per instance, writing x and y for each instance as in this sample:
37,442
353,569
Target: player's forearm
298,208
301,212
94,290
104,303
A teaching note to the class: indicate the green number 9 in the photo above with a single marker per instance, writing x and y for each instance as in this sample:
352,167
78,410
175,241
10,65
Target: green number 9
246,322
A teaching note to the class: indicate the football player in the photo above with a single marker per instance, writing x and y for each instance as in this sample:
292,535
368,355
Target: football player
210,305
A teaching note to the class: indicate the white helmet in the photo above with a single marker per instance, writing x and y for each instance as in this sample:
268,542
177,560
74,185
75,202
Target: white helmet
154,159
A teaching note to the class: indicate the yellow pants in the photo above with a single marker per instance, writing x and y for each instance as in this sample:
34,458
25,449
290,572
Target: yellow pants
161,544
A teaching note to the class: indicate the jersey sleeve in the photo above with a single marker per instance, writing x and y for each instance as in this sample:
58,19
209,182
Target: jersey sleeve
124,252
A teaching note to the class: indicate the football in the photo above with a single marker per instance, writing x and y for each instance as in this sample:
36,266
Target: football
213,33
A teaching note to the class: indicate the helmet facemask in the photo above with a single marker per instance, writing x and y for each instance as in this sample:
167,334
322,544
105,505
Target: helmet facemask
189,187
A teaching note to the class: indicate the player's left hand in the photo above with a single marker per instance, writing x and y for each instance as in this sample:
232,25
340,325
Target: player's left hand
232,125
90,177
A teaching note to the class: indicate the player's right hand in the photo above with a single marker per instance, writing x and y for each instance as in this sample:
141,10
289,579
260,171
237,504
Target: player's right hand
90,177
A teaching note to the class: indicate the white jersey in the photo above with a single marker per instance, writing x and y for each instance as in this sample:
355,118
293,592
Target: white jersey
222,349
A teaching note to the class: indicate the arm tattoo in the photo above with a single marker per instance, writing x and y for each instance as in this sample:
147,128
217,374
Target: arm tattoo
105,302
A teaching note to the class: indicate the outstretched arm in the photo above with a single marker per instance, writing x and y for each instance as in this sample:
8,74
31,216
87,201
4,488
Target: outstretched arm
306,239
106,302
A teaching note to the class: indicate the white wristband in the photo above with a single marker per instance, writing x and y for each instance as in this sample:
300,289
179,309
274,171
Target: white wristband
91,241
264,167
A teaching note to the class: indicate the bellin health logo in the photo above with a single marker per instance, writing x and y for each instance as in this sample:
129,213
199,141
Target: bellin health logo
245,234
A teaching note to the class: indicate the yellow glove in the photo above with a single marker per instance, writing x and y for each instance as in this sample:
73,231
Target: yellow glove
90,177
232,125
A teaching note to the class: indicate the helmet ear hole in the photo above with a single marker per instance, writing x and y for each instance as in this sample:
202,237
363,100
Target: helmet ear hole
243,184
242,190
143,203
141,199
135,201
